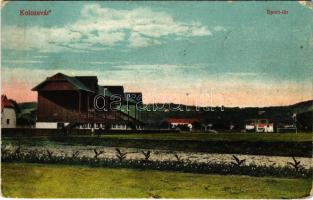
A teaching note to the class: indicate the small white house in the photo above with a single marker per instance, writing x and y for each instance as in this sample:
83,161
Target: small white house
8,114
176,122
259,126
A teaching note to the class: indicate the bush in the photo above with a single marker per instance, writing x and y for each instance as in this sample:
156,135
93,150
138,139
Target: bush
97,153
237,161
120,155
296,164
146,155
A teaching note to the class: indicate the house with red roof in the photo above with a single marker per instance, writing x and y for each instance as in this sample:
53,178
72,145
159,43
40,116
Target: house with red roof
187,123
8,114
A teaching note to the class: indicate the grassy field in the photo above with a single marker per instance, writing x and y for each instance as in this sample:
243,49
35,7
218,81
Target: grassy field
41,181
245,137
249,137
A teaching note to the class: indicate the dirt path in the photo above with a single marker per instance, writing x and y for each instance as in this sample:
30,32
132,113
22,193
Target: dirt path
132,153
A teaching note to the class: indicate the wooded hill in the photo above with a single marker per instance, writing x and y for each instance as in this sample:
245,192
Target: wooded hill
220,117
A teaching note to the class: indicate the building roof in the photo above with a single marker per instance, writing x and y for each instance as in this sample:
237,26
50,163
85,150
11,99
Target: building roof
134,97
5,102
90,81
115,89
103,91
182,120
90,84
77,82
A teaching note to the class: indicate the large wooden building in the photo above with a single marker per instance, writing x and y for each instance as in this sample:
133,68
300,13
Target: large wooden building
79,102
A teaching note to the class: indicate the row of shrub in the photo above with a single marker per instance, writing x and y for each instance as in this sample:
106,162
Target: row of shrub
294,170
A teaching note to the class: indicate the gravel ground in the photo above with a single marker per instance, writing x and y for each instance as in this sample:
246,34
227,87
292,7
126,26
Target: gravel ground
161,155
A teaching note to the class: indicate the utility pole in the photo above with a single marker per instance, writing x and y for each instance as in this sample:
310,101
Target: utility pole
294,117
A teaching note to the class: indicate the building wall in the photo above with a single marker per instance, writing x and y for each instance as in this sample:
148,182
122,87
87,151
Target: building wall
46,125
50,125
8,118
177,124
119,127
61,107
266,129
97,126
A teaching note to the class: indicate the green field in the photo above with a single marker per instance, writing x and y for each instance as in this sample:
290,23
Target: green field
249,137
245,137
53,181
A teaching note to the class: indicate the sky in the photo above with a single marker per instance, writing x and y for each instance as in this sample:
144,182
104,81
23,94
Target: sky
198,53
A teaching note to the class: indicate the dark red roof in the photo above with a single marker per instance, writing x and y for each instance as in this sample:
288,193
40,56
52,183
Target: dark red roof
5,102
78,82
182,120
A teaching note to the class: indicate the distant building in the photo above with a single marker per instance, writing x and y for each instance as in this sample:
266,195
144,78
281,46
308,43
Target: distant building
79,102
183,123
259,125
8,114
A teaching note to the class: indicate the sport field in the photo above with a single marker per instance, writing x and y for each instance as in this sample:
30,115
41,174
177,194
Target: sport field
42,181
250,137
246,137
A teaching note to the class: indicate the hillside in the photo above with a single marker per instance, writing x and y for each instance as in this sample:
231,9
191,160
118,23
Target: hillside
221,118
27,113
303,107
27,107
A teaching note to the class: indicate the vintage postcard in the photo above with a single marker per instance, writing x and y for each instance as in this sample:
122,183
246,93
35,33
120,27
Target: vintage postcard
156,99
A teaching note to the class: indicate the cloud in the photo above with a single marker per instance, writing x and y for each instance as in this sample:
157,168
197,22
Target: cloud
137,40
3,3
21,61
172,66
45,39
140,20
219,28
100,27
308,4
243,74
103,62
